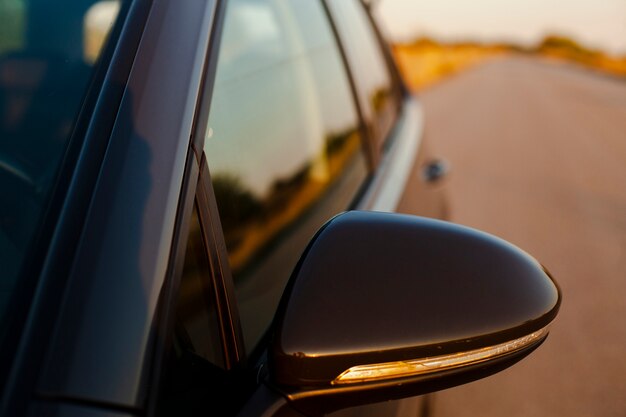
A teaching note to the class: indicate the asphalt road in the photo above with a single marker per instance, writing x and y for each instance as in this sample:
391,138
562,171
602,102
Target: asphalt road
538,156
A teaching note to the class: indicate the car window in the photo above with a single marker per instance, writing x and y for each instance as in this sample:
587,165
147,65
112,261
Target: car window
283,146
47,56
375,88
193,378
196,327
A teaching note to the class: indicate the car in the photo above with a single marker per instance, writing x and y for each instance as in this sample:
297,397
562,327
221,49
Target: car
230,208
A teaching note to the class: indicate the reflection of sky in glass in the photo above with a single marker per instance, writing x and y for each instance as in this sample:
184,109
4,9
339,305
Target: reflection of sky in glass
276,68
368,67
284,147
97,24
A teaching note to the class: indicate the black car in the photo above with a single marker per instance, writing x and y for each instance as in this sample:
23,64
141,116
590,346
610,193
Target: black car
199,215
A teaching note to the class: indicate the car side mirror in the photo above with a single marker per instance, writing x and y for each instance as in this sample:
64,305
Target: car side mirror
385,306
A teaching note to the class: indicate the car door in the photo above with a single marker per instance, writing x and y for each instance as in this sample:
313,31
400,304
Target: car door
281,150
291,138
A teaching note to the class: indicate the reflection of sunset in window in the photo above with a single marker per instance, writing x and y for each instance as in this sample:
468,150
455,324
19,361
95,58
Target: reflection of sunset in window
286,205
377,95
284,145
97,24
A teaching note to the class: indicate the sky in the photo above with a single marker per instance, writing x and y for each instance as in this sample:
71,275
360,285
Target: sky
599,24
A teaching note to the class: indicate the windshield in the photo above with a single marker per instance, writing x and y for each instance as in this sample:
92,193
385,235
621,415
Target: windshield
48,52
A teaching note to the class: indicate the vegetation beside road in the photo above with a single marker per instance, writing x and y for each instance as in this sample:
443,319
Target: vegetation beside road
560,47
425,61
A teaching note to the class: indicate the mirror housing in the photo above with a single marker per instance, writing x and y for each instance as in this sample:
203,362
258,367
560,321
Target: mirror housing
384,306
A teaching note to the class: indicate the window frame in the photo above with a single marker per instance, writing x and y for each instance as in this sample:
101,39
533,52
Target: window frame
234,350
367,142
226,302
196,195
399,85
376,146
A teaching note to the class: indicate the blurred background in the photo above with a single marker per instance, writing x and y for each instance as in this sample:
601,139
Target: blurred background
527,101
446,35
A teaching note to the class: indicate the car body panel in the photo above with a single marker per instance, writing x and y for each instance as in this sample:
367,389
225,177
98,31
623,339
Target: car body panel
128,233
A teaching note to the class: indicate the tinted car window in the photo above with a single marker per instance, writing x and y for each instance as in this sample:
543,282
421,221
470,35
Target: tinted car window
193,376
372,77
47,56
283,148
196,328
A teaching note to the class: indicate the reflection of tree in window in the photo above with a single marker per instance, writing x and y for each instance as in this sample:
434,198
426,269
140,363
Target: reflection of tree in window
237,206
284,152
371,73
380,99
11,25
250,222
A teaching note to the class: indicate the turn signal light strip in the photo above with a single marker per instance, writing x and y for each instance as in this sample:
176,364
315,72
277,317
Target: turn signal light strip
390,370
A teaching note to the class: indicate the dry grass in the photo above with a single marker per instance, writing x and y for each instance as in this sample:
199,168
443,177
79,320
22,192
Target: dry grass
562,48
425,62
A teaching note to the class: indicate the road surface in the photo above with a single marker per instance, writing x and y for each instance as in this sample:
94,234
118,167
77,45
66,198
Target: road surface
538,156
